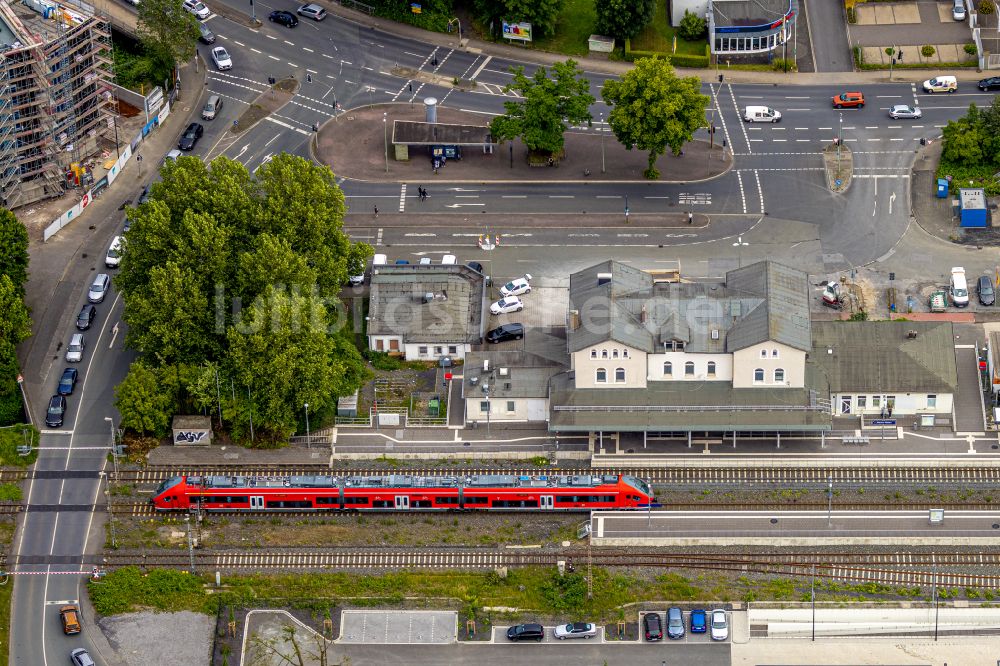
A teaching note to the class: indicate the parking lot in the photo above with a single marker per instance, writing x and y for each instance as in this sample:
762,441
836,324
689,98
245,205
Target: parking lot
688,636
544,307
399,627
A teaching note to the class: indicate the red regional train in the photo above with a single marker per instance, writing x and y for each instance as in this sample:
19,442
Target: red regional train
397,492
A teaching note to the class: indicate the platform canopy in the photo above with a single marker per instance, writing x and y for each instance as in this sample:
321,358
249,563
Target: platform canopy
410,133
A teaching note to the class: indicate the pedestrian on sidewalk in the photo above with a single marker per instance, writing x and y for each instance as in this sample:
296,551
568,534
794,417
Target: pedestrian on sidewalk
900,55
376,210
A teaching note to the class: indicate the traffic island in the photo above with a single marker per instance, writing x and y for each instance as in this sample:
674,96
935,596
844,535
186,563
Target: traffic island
280,94
359,144
839,164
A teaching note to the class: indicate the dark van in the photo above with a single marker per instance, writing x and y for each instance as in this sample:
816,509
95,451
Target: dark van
526,632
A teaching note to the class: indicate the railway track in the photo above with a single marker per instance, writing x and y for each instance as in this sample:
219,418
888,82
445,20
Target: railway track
891,569
748,473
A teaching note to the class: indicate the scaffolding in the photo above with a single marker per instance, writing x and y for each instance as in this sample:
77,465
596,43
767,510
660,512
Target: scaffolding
55,96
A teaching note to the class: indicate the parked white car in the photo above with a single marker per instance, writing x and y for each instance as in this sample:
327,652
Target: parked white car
197,8
521,285
720,627
505,305
220,57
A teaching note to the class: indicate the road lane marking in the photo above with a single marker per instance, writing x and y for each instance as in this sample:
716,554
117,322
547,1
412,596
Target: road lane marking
402,198
288,42
481,67
238,43
255,50
273,57
286,125
307,49
378,238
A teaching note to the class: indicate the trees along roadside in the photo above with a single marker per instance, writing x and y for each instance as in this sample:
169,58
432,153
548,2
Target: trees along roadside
165,25
623,19
549,105
652,109
231,290
15,323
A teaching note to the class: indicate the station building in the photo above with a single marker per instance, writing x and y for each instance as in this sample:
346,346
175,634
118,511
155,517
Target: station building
743,29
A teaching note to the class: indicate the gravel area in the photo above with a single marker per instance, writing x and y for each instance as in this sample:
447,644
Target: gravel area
140,639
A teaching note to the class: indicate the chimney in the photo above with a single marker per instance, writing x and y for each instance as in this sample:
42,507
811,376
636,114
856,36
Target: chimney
574,320
642,314
911,335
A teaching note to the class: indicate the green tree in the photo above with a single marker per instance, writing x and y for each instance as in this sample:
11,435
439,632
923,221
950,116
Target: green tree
13,249
242,272
15,324
165,26
143,404
692,27
623,19
548,107
541,14
654,109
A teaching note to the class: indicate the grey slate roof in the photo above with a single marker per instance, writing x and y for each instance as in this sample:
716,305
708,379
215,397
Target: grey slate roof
761,302
878,357
688,406
527,374
455,315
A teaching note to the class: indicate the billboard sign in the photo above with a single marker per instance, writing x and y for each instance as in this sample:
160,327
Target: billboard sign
520,31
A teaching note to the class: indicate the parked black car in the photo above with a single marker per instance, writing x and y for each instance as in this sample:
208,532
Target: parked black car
284,18
984,289
514,331
56,412
476,266
526,632
191,136
992,83
86,317
68,381
652,626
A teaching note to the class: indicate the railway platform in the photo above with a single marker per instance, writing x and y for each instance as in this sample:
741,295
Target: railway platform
793,528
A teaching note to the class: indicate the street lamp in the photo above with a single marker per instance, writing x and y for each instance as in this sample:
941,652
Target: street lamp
385,140
601,129
829,502
840,140
739,245
114,447
111,515
308,439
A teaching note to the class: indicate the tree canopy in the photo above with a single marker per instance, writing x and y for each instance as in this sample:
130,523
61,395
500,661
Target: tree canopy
623,19
13,249
548,106
541,14
232,278
652,108
166,26
15,324
971,148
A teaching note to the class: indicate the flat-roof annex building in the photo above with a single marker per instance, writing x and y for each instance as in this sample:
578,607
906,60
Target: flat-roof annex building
55,95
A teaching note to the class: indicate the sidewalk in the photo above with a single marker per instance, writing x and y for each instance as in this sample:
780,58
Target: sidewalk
350,144
60,268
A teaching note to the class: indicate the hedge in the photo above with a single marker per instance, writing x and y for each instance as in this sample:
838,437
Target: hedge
676,59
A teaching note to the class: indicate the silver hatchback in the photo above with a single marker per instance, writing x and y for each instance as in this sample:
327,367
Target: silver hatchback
315,12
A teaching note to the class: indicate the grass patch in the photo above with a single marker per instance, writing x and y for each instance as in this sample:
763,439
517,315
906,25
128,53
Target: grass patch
5,597
13,437
10,492
574,27
659,36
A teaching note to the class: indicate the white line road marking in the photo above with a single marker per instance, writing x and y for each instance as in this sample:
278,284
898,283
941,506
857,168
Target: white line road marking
286,125
254,50
273,57
238,43
62,602
288,42
378,238
513,196
402,198
481,67
415,55
307,49
561,196
271,37
289,62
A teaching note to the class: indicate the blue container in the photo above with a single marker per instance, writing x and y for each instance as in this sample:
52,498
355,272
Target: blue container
942,188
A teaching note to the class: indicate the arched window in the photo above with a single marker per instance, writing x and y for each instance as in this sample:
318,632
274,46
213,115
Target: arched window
593,353
602,376
689,369
711,368
774,353
604,353
763,353
758,375
624,353
614,353
779,376
668,368
619,375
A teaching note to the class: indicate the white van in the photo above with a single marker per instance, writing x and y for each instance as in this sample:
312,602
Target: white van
959,288
114,255
379,260
941,84
449,260
761,114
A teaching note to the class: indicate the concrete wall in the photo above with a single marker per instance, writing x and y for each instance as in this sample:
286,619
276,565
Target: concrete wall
433,352
746,361
525,409
903,403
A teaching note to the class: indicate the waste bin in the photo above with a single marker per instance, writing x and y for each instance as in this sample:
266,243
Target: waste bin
942,188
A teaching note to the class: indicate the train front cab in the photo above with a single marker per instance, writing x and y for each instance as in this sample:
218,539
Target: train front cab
170,495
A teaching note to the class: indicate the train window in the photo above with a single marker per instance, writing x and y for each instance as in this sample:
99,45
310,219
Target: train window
289,504
382,504
515,504
355,500
446,500
573,499
327,500
476,500
420,504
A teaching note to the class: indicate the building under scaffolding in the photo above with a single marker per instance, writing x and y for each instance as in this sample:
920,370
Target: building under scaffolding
55,95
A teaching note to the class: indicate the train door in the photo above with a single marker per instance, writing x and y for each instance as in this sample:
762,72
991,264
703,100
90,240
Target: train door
402,501
256,501
546,502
